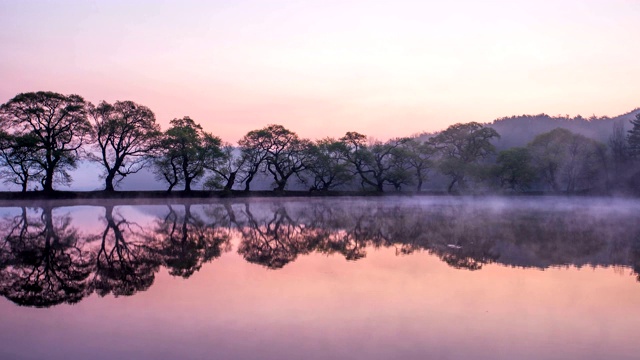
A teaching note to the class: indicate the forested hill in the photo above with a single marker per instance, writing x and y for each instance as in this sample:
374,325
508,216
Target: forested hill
520,130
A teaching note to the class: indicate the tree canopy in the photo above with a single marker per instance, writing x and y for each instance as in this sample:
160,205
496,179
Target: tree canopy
126,134
59,126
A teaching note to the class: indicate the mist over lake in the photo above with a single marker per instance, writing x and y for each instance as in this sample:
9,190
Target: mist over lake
370,278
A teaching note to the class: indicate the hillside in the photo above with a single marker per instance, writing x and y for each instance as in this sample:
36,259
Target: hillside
520,130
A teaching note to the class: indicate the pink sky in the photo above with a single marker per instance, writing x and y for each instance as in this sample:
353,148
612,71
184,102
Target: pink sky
321,68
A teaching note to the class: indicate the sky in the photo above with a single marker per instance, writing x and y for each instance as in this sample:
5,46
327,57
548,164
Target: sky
322,68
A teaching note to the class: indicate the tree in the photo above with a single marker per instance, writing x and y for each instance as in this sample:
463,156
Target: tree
19,159
58,123
284,154
461,147
633,138
373,162
327,165
186,152
167,167
418,155
252,159
226,169
126,134
567,161
514,169
618,145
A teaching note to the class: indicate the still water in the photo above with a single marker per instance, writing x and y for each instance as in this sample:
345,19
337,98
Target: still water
374,278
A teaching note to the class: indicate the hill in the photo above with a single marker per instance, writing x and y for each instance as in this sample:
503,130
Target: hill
520,130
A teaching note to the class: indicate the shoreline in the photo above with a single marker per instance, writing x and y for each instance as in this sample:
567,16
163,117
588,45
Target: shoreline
8,198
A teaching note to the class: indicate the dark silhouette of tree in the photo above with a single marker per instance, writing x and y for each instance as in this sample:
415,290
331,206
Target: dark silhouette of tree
514,169
374,163
402,170
327,165
126,134
19,157
284,154
461,147
167,166
185,242
49,265
58,122
226,169
618,144
620,157
124,265
252,160
186,152
633,138
419,156
567,161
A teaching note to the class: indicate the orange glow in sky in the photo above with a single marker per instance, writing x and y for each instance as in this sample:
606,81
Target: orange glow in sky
321,68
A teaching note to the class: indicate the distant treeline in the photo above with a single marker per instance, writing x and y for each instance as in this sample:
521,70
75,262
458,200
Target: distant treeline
44,135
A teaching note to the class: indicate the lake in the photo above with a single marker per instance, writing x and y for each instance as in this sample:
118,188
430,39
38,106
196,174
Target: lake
321,278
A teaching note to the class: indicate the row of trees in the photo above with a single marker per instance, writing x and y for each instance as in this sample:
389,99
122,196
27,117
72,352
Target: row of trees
45,134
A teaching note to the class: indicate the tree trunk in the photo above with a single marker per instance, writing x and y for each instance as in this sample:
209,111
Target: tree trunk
230,181
450,188
281,185
108,186
247,182
47,185
419,187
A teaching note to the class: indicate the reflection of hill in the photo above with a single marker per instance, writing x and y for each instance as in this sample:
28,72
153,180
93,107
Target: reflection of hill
45,260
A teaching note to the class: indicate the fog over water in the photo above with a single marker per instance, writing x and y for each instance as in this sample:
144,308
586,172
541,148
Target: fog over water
425,277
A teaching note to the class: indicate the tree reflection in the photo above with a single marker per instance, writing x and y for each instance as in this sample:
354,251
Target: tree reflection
635,257
348,233
123,266
184,242
44,259
48,265
275,240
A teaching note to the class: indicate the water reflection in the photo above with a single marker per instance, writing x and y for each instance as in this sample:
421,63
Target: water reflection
185,241
48,263
47,259
125,261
